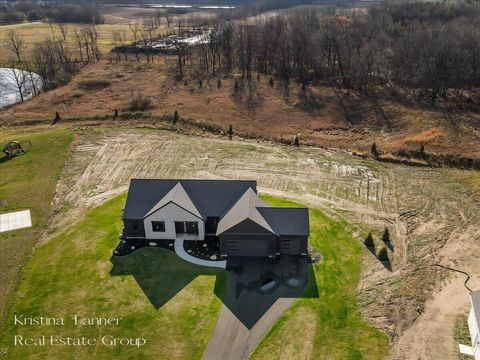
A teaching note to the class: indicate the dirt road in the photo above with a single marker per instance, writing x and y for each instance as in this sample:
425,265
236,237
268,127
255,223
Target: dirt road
431,217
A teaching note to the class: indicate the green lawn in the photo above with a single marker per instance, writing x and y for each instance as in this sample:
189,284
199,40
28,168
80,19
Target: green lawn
28,182
174,304
328,327
159,297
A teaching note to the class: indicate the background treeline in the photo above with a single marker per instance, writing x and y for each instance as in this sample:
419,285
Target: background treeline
63,13
429,47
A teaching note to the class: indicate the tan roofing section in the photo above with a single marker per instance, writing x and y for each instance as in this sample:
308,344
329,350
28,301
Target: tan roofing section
178,196
244,208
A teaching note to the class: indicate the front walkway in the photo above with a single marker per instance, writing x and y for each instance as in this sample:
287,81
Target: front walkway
187,257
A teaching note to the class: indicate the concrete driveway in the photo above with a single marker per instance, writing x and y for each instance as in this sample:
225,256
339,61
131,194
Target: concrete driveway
257,294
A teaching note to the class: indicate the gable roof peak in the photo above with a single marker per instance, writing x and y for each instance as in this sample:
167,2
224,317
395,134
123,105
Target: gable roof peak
178,196
244,208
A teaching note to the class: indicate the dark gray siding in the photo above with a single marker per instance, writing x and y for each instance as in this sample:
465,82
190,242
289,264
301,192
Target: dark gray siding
130,231
293,245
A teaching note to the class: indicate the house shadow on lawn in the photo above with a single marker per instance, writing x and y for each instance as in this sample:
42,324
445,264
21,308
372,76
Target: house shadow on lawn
249,287
161,274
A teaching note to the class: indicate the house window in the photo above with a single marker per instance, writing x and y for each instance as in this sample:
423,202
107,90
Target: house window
186,227
158,226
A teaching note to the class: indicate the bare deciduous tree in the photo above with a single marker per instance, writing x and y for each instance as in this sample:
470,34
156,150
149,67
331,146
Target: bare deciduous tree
16,44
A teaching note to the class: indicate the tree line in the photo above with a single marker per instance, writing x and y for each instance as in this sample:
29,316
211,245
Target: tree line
430,47
59,13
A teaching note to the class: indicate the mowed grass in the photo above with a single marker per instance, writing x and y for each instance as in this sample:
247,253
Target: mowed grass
331,326
28,182
167,301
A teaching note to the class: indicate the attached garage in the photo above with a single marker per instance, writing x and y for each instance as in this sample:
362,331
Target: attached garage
248,247
256,245
252,228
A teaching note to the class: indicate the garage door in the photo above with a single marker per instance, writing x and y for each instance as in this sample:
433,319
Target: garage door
257,248
290,246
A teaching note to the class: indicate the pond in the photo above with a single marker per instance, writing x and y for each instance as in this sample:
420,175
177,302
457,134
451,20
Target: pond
9,90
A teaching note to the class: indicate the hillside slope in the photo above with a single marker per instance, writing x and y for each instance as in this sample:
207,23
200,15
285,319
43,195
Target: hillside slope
322,115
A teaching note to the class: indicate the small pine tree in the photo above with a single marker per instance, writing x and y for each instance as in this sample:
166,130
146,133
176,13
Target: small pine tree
175,117
369,241
219,84
386,236
57,117
235,86
374,151
422,149
296,141
230,132
270,82
200,83
115,114
383,254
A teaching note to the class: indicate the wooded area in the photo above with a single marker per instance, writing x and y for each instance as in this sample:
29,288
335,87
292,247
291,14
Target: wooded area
432,47
32,11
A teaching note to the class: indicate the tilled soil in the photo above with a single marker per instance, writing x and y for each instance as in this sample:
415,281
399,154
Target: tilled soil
431,218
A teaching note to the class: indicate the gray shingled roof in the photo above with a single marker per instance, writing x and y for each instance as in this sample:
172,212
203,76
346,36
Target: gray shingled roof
211,197
476,304
245,208
233,201
287,221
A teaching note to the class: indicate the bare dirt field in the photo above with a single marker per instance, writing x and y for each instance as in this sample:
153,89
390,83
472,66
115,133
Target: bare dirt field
432,218
322,117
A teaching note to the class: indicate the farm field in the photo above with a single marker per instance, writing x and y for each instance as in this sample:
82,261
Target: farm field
35,32
28,182
432,218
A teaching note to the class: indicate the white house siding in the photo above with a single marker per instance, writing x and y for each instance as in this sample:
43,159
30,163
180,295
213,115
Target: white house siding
474,333
171,213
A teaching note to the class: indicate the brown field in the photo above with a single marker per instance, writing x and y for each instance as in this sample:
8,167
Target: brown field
322,117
